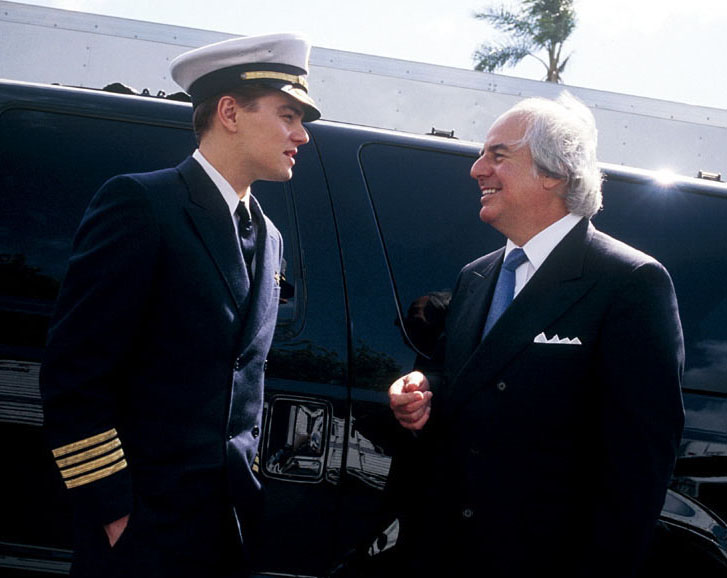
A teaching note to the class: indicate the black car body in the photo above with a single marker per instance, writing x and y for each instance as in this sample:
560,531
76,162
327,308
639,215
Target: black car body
372,221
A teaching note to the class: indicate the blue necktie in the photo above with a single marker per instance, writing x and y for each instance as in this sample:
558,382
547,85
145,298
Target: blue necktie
505,288
247,235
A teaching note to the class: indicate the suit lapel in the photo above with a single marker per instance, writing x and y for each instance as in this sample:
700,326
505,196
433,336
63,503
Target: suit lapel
211,218
556,286
468,319
266,267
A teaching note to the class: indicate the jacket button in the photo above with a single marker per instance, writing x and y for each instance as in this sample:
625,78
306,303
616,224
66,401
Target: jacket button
255,431
265,365
502,386
238,363
467,513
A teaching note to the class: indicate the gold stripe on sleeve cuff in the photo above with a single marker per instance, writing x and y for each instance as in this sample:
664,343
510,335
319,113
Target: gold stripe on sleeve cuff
87,455
97,475
85,443
94,465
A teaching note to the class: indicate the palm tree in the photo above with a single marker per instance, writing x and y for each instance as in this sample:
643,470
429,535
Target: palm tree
538,25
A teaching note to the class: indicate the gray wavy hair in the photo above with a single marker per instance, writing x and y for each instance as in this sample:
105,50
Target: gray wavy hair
562,138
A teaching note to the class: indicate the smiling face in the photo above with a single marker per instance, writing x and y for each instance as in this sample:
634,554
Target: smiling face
516,200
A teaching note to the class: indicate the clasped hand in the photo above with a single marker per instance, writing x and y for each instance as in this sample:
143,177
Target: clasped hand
411,400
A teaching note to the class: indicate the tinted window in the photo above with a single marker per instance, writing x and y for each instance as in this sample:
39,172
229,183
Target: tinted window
686,231
430,229
51,166
430,226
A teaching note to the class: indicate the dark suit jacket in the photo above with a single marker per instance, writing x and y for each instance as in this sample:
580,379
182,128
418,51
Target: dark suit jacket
554,457
157,352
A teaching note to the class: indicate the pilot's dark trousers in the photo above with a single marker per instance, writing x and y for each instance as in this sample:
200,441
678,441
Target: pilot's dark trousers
204,542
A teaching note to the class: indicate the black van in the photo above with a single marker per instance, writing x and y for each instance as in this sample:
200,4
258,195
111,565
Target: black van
357,258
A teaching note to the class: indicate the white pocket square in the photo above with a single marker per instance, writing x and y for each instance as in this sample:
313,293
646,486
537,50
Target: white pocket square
555,340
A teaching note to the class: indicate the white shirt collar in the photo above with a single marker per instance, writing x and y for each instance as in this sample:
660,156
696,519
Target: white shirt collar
539,247
225,188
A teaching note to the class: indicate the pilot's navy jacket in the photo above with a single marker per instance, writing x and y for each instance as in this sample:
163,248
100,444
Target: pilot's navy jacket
153,378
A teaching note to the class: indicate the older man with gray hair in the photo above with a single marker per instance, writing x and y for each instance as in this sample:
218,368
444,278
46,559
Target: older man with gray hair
546,438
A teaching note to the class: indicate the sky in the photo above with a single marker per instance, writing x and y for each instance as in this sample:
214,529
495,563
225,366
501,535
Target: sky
666,49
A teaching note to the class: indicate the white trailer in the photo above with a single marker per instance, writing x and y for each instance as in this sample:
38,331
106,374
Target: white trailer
72,48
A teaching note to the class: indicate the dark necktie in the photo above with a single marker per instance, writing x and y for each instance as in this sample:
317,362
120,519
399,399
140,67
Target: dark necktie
505,288
246,231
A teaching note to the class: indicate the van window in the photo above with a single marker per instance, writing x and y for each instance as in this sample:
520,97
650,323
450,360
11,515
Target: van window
432,230
52,164
685,230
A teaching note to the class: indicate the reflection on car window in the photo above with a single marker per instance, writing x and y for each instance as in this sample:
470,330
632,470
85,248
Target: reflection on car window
686,231
430,232
49,173
434,230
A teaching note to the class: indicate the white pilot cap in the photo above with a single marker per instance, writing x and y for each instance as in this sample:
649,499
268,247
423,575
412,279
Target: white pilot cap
276,60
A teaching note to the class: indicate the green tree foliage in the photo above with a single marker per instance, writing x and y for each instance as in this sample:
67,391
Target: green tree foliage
539,25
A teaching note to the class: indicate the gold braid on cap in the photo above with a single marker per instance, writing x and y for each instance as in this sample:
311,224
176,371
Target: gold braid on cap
270,75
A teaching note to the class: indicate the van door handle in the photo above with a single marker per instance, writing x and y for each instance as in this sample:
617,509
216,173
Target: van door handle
296,440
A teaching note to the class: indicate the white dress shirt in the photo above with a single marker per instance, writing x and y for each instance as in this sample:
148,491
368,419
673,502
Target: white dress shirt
539,247
225,188
228,194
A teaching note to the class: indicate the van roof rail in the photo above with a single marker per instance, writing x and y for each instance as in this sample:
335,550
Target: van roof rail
442,133
121,88
708,176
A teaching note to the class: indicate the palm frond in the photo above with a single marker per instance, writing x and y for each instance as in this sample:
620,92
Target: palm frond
490,57
538,25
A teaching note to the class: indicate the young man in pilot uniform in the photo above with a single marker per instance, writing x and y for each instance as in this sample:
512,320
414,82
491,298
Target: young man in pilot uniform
153,378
